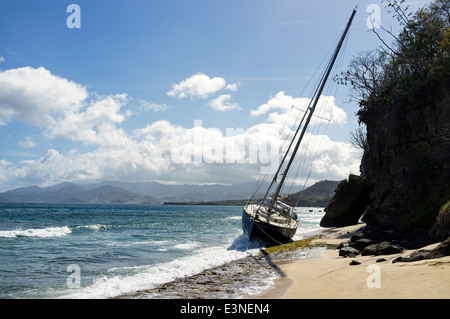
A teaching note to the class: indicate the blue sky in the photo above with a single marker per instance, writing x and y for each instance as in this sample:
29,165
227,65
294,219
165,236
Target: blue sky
111,100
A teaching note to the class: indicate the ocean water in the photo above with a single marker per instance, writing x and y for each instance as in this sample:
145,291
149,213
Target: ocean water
103,251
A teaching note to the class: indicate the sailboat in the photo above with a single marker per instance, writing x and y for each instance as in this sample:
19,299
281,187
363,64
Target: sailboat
273,219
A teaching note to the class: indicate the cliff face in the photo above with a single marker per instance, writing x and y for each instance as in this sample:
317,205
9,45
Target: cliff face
408,162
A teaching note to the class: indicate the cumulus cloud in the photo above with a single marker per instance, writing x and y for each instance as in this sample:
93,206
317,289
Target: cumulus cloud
35,96
159,151
199,85
94,124
282,103
222,103
63,108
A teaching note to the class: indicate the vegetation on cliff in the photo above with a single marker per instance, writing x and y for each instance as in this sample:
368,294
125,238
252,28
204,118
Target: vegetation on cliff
403,91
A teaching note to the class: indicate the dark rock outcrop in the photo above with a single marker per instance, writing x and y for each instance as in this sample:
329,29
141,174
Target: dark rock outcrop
408,163
348,203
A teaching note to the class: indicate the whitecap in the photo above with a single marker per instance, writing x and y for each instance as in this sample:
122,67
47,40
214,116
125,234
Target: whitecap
37,232
94,227
187,245
233,218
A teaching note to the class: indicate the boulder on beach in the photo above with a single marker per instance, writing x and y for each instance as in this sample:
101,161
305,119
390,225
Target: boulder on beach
348,203
383,248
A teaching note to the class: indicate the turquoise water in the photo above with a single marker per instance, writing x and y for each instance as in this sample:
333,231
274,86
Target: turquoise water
101,251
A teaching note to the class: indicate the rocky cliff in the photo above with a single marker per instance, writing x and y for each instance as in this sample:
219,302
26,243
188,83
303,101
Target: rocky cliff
408,163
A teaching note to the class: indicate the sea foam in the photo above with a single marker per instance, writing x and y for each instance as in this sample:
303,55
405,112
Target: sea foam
40,233
149,276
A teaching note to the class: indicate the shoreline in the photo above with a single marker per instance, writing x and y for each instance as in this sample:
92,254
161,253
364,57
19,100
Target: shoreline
311,268
329,276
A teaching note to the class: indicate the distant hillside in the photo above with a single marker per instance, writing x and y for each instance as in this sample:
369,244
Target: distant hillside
126,193
73,194
319,194
154,193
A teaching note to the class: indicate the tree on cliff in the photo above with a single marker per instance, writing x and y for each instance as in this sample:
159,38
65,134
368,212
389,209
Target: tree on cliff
418,58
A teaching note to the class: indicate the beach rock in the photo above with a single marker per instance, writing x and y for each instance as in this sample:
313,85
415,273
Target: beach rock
348,252
442,250
383,248
354,263
348,203
362,243
356,237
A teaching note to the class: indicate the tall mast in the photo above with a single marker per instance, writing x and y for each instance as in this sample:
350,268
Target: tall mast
311,109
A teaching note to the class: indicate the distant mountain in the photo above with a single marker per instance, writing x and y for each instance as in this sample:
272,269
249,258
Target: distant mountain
319,194
75,194
185,192
156,193
127,192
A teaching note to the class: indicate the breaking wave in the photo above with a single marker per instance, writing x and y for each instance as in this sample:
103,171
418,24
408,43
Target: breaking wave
36,232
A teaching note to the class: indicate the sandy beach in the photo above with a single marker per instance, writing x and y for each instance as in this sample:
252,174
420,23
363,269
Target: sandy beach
328,275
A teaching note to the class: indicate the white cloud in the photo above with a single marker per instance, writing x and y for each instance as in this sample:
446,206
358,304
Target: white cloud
199,85
36,97
222,103
94,124
232,87
2,59
147,106
167,152
28,142
326,109
64,109
280,101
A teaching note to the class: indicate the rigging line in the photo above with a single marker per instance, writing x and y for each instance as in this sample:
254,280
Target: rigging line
314,129
282,162
263,177
308,164
316,95
310,171
340,63
318,80
318,116
311,100
317,92
320,64
303,160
